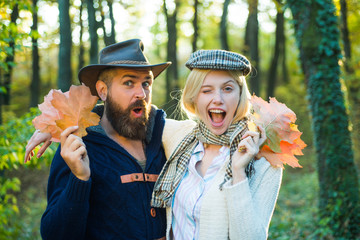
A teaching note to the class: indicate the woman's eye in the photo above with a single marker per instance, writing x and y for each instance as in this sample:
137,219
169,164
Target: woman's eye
228,89
206,90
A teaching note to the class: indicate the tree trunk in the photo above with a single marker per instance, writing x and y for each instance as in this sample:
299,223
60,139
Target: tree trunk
223,26
352,82
345,33
195,26
1,96
278,51
318,39
251,47
81,43
172,75
35,81
64,77
102,25
10,57
112,37
93,26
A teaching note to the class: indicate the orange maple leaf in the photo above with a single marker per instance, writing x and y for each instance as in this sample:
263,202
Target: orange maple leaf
46,121
283,137
62,110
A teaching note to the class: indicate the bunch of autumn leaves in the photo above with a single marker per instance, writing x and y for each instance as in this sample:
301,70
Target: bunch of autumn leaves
73,108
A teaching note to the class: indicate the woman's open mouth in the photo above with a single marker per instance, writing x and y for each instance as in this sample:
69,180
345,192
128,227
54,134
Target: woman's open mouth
217,117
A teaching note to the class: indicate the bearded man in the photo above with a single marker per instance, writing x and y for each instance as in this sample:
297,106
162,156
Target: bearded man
100,186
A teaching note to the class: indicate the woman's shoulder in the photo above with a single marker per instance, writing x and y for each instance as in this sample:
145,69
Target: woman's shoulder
174,132
171,123
179,129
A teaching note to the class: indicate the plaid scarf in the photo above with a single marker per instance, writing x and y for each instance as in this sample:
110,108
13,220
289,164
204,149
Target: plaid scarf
176,166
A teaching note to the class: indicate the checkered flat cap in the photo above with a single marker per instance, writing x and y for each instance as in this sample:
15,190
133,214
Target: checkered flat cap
219,60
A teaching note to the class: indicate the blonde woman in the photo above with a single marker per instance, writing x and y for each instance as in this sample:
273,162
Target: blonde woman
211,185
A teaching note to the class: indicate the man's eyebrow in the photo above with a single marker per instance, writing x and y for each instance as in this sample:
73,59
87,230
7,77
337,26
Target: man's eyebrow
134,76
129,76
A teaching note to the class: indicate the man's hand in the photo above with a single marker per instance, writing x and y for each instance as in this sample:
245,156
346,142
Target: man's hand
74,153
36,139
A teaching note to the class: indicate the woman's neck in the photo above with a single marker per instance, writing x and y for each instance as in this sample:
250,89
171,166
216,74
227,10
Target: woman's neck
210,152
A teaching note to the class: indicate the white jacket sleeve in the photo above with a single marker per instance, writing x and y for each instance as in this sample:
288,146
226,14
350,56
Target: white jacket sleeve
251,202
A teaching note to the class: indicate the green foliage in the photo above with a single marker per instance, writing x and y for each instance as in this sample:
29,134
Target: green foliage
295,215
15,135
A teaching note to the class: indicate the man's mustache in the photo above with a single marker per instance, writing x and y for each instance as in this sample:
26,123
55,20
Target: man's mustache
138,103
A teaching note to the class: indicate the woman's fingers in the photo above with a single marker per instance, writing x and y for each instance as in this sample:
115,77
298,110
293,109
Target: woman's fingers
43,148
36,139
248,145
258,137
252,134
263,137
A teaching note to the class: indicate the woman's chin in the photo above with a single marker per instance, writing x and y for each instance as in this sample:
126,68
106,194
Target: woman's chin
217,128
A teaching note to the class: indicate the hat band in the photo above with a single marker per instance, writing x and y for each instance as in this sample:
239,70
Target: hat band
129,62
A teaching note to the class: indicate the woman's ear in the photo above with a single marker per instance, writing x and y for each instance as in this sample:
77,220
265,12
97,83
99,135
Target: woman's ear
101,89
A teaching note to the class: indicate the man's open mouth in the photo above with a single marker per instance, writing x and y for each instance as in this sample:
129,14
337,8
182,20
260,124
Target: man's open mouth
137,111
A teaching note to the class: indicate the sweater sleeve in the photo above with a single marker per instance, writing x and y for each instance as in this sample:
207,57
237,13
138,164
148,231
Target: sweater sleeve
68,203
250,208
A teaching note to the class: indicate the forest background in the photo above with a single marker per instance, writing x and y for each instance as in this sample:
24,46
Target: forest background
304,52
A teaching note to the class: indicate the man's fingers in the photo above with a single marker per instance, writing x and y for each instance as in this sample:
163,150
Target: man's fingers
65,134
81,152
76,144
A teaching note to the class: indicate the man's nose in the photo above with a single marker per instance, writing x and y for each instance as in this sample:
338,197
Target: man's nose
140,93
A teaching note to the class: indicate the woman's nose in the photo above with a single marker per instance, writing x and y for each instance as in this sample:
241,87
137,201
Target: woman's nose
218,99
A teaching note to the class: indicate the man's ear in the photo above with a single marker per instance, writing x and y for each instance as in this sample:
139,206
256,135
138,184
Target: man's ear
101,89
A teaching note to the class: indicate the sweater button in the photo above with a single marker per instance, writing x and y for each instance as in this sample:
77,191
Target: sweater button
153,212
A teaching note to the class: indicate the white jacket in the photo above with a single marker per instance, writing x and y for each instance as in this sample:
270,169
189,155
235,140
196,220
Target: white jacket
240,211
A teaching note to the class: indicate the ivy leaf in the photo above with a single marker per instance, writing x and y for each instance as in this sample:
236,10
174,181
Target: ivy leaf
62,110
283,137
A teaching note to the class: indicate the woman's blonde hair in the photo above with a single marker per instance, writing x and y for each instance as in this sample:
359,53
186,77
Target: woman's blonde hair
193,85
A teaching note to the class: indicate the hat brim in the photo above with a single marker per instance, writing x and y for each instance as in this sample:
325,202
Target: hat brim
89,74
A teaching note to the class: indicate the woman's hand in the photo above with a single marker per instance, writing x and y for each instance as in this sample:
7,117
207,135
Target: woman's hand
36,139
74,153
248,148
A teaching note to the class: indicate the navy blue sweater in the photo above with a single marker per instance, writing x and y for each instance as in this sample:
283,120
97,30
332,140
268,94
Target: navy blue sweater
103,207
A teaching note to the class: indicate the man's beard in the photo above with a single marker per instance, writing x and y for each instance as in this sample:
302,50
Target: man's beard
123,123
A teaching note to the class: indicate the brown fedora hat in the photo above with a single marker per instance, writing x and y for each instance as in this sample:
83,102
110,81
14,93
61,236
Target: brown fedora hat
127,54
